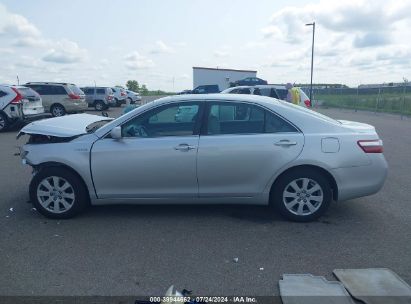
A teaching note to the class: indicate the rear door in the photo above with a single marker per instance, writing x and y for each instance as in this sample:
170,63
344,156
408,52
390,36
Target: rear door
242,146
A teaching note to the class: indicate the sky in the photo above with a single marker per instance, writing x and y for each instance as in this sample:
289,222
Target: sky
157,42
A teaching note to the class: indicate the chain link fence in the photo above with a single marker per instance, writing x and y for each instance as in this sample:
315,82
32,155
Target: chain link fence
383,99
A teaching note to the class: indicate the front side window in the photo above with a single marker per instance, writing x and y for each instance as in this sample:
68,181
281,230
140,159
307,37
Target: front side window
242,118
170,120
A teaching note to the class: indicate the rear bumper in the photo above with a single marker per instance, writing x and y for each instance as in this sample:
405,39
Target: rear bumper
361,181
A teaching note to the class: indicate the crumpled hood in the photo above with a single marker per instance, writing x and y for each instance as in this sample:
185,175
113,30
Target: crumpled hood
64,126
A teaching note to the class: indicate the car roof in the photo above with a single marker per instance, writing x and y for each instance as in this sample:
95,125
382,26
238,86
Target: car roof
13,86
50,83
96,87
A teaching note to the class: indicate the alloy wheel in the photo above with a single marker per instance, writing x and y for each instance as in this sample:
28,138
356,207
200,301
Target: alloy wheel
58,111
303,196
55,194
2,122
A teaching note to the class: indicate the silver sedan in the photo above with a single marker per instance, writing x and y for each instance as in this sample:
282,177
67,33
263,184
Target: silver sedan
233,149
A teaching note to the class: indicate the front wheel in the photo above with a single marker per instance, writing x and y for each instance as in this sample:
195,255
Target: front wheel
302,195
58,193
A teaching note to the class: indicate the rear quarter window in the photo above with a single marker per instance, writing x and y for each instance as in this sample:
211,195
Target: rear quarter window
101,91
2,93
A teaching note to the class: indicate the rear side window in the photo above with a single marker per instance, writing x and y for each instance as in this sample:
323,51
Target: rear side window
57,90
242,118
88,91
101,91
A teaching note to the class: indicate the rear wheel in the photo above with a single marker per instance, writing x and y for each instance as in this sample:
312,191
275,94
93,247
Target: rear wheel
58,193
99,106
302,195
57,110
4,122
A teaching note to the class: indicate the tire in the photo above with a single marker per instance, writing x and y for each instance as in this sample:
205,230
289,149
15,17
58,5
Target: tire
57,110
302,195
118,103
99,106
129,100
58,193
4,122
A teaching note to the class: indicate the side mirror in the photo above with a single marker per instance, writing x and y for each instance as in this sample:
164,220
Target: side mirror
116,133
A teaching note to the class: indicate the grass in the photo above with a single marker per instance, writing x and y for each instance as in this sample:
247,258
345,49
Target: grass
387,102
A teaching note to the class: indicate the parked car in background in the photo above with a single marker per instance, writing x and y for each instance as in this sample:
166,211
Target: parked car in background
236,149
19,103
120,96
101,98
274,91
60,98
184,92
249,81
133,97
206,89
185,114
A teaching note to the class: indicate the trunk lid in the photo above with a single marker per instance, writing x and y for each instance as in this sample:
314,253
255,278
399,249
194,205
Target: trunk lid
64,126
358,127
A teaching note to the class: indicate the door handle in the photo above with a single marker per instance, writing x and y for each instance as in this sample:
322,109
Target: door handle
184,147
285,143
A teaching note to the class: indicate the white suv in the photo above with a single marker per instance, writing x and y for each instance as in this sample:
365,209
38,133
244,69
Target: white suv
18,103
274,91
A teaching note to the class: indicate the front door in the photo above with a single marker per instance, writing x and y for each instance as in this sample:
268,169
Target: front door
155,158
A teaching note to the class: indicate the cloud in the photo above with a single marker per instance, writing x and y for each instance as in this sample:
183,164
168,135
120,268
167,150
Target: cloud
30,42
371,39
136,61
161,48
16,25
367,21
65,51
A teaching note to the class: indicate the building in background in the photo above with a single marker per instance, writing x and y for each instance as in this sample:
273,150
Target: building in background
220,77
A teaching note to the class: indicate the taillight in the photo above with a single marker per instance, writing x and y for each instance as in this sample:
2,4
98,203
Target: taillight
123,94
371,146
307,103
109,97
74,96
18,98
